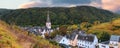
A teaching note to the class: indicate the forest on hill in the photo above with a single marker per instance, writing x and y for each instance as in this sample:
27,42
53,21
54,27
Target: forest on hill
58,15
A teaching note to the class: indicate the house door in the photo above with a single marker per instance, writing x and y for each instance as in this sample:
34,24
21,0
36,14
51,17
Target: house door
111,47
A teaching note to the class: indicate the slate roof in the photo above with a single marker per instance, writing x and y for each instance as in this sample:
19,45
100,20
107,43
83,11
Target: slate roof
58,38
37,28
71,36
86,37
115,38
81,36
106,42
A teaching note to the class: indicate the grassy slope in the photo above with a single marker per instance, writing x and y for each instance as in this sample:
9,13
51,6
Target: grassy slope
13,37
112,27
6,37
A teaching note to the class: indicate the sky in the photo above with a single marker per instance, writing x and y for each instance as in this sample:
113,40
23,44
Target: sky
112,5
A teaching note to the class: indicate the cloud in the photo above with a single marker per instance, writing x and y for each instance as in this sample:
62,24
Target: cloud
71,1
95,4
112,5
54,3
29,5
34,4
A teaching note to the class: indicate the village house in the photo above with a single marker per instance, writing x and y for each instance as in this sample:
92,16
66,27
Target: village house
61,39
79,39
114,42
87,41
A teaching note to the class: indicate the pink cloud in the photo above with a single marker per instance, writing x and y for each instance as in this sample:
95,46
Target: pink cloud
112,5
30,4
95,4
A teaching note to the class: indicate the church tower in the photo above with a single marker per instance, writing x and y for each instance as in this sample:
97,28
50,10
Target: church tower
48,23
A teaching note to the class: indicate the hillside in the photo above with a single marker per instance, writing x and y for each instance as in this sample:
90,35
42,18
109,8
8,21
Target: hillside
112,27
58,15
13,37
104,30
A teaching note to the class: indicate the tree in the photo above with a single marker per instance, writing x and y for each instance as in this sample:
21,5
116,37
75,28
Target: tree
54,33
102,35
96,22
72,27
105,36
85,26
63,30
47,36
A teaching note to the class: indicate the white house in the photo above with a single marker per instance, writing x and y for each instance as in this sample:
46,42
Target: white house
113,43
104,44
87,41
61,39
78,39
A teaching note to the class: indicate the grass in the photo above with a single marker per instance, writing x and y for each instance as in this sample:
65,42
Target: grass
7,40
11,36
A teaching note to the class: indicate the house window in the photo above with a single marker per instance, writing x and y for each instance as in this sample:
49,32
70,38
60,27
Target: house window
63,40
82,45
103,46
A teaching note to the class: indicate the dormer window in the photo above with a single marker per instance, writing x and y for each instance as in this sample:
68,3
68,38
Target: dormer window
63,40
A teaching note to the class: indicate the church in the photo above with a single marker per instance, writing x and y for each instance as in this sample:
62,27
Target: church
47,28
40,30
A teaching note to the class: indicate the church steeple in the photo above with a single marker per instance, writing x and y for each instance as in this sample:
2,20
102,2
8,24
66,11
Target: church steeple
48,18
48,23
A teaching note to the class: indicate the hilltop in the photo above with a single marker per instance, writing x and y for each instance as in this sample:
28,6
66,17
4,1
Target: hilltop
13,37
58,15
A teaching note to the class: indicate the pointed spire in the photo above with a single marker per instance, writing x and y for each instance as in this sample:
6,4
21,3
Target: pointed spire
48,23
48,17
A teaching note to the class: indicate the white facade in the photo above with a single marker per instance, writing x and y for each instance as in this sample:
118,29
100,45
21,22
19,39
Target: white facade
64,40
43,34
87,44
48,25
45,31
80,43
103,45
107,46
113,43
